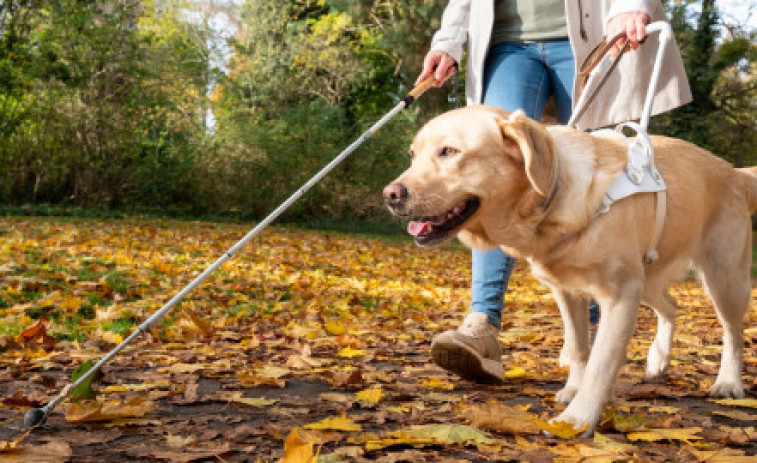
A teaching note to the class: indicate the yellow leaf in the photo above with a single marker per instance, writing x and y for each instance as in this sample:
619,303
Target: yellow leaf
111,337
335,328
515,372
559,428
70,303
432,434
236,397
349,352
202,324
721,456
606,443
370,395
438,384
752,403
10,446
341,423
653,435
298,451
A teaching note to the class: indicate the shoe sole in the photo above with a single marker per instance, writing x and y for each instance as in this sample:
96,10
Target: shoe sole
462,361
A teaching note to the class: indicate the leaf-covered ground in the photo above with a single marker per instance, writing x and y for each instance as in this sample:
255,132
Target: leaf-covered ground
313,343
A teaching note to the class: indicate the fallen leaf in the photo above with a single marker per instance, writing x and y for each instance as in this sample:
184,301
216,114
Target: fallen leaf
298,451
335,328
54,451
438,384
654,435
38,333
33,399
373,395
736,415
84,390
495,416
349,352
236,397
722,456
558,428
179,441
341,423
604,442
10,446
751,403
515,373
136,407
432,434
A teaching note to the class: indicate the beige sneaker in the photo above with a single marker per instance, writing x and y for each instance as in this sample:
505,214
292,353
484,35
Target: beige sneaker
472,351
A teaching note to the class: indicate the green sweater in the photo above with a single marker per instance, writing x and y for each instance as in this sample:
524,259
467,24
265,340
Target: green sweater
528,20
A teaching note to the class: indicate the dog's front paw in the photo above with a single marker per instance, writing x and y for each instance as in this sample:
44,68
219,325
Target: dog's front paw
566,394
580,426
657,362
727,389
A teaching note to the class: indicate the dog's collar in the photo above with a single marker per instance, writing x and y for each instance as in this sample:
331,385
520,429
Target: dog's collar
547,201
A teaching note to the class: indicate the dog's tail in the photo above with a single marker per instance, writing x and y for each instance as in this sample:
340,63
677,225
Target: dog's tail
750,186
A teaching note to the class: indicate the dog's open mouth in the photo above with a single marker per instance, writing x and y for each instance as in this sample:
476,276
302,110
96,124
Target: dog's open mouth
433,230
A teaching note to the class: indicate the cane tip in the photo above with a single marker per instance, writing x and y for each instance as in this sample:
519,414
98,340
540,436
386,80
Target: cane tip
34,418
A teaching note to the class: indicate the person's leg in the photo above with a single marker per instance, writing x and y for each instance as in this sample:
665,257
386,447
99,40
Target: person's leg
561,69
558,57
514,78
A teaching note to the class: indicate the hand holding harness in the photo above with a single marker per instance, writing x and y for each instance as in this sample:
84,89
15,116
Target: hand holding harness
640,174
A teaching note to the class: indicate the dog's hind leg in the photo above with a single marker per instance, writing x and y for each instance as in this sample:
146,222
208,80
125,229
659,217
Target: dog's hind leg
575,350
664,306
725,262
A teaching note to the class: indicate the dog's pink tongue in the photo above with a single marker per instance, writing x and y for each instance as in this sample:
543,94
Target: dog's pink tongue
417,228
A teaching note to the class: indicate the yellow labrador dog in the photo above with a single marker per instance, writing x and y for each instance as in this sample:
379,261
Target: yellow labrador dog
498,179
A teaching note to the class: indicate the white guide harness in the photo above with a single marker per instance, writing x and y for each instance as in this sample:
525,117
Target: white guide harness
640,174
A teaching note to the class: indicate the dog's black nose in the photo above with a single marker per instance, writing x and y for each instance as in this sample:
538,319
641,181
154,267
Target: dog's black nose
395,194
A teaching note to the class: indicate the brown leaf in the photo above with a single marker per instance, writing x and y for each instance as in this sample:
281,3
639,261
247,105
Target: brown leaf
53,451
348,379
136,407
33,399
38,333
499,417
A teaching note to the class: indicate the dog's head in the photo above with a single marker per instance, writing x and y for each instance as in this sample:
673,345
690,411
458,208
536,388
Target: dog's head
467,164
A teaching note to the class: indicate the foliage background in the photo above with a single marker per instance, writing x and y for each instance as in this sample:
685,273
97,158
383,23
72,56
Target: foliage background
144,105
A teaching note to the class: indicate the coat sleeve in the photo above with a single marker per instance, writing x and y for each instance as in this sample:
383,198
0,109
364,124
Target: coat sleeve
453,33
624,6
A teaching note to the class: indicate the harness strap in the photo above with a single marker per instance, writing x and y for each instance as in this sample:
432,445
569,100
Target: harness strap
659,221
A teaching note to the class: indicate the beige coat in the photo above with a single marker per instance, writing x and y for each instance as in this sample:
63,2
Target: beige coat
622,97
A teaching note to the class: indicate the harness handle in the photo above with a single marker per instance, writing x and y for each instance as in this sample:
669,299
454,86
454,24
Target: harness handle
598,65
596,54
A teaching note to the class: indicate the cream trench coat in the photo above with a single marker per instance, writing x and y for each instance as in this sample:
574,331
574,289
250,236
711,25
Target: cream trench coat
622,97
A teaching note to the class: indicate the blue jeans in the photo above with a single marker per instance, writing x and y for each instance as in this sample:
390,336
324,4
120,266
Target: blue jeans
519,76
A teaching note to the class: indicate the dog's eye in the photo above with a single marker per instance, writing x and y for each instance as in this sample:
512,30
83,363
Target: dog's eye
447,151
411,153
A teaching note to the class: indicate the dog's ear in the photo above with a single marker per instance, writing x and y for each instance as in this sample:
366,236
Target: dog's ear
535,146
